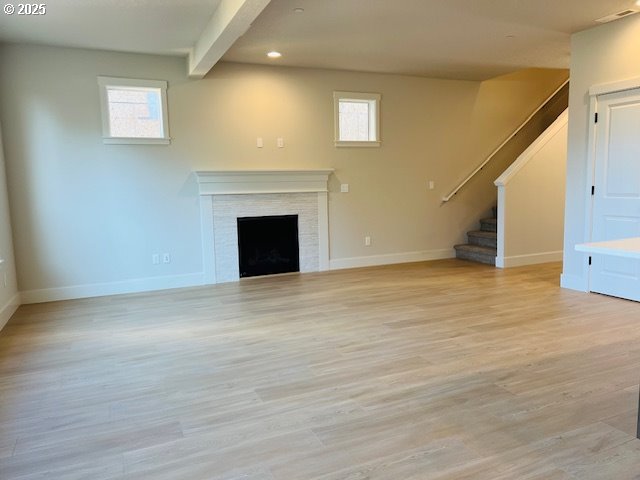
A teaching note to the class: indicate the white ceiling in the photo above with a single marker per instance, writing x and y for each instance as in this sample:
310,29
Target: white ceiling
467,39
437,38
145,26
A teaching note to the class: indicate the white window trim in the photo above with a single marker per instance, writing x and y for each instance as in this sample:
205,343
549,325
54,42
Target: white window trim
374,115
104,82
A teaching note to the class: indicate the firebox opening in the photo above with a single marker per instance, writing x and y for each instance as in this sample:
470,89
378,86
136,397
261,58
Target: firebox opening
268,245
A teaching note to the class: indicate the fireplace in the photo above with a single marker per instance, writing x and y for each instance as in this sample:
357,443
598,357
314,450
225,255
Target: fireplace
268,245
229,195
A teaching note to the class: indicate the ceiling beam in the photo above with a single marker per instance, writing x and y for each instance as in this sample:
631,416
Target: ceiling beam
230,21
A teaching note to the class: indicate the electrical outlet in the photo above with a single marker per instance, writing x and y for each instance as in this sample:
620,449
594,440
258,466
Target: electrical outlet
344,188
155,259
432,184
166,258
280,142
367,241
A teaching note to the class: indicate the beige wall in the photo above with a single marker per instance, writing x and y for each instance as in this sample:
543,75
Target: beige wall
89,213
604,54
530,201
8,283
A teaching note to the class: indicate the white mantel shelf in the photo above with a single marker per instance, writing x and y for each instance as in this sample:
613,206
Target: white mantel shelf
221,186
627,248
238,182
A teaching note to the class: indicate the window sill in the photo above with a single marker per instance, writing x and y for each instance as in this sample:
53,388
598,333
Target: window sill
356,144
135,141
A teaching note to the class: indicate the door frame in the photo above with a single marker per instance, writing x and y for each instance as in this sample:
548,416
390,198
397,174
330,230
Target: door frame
594,92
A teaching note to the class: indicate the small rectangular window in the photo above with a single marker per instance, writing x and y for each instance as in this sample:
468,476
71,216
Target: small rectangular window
357,119
133,111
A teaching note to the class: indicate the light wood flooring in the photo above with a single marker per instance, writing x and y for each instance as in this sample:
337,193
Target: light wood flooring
442,370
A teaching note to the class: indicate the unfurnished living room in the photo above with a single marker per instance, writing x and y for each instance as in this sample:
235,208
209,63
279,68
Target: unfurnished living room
319,240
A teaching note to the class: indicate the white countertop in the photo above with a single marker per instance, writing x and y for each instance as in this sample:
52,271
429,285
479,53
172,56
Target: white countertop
627,247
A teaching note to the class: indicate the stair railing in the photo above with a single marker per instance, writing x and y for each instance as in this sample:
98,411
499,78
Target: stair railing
493,154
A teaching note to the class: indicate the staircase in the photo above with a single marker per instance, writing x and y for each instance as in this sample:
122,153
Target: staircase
483,243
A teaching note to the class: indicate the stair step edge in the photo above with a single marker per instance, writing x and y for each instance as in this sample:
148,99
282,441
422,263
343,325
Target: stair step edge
482,233
476,248
476,256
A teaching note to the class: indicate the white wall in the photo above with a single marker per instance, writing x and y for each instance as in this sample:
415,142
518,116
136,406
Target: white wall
531,196
89,216
604,54
9,300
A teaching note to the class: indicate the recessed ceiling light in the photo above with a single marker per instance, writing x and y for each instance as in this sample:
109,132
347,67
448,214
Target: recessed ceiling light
301,10
274,54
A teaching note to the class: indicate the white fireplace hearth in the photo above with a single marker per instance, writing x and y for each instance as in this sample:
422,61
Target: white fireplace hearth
227,195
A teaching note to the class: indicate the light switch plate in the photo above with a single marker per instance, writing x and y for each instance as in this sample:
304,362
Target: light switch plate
344,188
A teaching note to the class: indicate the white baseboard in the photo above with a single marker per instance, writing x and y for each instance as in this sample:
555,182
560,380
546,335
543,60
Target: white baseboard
9,309
530,259
115,288
574,282
391,258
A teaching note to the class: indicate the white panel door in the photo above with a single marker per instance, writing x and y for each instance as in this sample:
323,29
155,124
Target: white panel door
616,201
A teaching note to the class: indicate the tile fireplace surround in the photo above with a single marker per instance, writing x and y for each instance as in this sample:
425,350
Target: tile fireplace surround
226,195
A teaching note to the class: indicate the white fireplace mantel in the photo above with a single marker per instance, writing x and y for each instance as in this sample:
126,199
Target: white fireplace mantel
290,183
235,182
